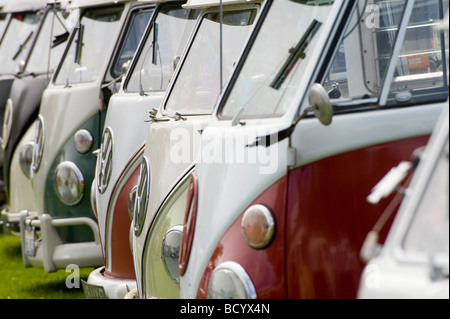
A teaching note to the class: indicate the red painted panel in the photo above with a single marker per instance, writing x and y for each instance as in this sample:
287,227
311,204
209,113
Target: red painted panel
328,218
190,215
121,256
264,266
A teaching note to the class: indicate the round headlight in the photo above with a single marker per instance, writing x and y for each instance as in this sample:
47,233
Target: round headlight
170,251
69,183
7,123
83,140
230,281
258,226
25,158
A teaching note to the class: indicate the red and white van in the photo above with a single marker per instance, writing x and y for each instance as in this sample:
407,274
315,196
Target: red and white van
276,206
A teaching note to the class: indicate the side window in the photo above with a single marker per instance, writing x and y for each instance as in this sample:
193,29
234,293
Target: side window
85,55
198,84
17,40
359,68
46,52
155,64
137,25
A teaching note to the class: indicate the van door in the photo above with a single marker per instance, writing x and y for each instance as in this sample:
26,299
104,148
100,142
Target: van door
386,80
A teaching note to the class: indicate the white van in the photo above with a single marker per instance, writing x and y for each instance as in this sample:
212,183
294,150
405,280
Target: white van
124,133
19,23
413,262
276,206
173,134
63,229
22,107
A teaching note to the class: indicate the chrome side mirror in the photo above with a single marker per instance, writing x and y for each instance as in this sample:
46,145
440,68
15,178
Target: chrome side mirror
125,67
320,102
21,67
176,59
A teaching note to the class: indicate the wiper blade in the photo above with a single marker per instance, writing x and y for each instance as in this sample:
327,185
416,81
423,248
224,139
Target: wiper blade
23,45
60,39
295,54
79,42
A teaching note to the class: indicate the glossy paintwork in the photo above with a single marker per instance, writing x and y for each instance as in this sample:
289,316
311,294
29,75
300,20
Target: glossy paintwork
26,96
264,266
85,163
119,260
21,184
127,144
368,135
400,271
66,109
157,281
171,148
329,218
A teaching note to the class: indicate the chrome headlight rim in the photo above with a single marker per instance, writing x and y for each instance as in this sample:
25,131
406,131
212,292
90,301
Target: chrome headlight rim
105,160
39,143
7,123
142,195
231,269
26,158
256,214
83,140
74,171
172,236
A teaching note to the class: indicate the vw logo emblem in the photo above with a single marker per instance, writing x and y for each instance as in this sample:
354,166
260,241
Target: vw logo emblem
39,141
142,194
105,160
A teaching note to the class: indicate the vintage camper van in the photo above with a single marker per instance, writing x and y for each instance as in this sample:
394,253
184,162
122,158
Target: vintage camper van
22,107
63,229
414,260
173,134
19,22
343,92
124,133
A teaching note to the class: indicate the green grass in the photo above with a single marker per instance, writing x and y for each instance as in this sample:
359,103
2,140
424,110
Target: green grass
20,282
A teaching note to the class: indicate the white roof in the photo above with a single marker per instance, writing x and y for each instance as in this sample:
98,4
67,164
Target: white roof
211,3
157,1
92,3
22,5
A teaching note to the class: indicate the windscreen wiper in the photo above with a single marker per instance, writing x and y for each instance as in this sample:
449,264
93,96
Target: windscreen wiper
295,54
58,39
22,46
79,42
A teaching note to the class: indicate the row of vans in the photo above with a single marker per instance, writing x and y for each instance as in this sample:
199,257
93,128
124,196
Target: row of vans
226,149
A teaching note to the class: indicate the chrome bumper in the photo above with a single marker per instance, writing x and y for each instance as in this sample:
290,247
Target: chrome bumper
10,222
49,251
98,286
